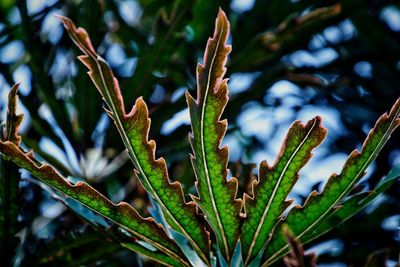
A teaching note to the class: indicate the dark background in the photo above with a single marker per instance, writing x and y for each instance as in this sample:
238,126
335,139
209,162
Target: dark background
290,60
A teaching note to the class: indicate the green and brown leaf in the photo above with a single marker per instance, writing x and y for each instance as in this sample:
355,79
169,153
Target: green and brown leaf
265,207
123,214
353,205
134,130
217,196
303,220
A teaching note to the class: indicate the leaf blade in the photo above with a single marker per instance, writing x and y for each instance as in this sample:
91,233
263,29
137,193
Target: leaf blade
156,256
134,130
275,183
122,213
302,220
217,196
353,205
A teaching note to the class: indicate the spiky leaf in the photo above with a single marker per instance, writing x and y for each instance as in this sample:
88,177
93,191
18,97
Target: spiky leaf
134,129
353,205
303,220
264,209
216,194
123,214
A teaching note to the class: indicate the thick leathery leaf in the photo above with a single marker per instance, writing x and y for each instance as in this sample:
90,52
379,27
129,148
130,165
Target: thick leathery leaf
134,129
216,194
303,220
9,183
297,257
264,209
123,214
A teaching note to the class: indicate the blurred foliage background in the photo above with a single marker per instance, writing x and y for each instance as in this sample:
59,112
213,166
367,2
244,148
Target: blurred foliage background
290,60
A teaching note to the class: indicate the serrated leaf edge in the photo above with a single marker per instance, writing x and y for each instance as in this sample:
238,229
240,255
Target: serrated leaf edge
222,83
11,151
316,123
394,123
117,112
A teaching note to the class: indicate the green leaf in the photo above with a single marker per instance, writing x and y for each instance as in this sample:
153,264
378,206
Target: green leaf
123,214
156,255
303,220
216,194
9,183
353,205
134,129
264,209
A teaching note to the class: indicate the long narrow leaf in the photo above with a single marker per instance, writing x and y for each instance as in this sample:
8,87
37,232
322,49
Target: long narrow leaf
157,256
216,194
350,207
134,129
264,209
123,214
303,220
353,205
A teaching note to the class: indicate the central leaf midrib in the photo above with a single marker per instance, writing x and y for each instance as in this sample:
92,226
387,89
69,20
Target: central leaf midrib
129,229
164,207
205,165
362,170
126,142
128,146
73,194
255,237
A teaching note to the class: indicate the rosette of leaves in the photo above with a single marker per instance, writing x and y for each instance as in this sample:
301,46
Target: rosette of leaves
216,220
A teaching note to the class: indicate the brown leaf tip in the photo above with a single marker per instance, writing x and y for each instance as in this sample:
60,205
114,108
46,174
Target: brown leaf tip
222,21
13,121
297,256
78,35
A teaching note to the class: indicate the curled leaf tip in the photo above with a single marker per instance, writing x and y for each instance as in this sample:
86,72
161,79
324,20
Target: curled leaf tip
82,40
13,120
